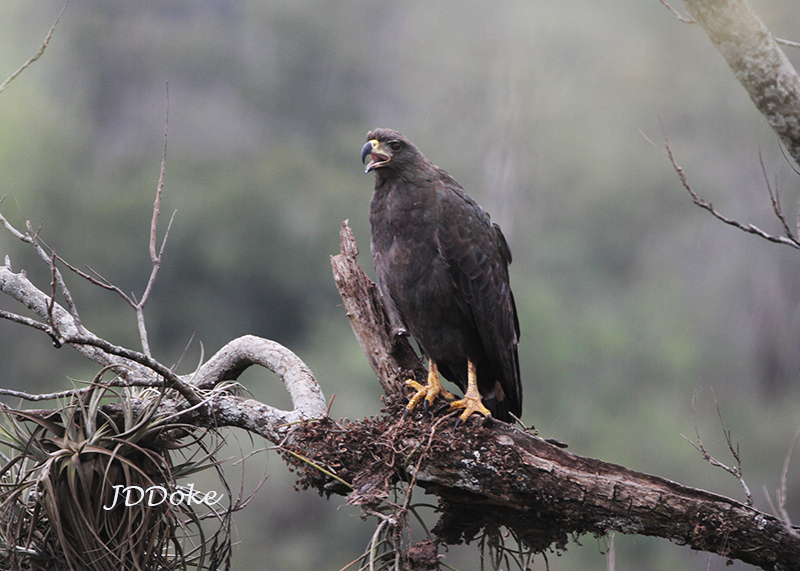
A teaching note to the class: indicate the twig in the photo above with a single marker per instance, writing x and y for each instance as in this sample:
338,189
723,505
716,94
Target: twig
50,320
172,380
776,201
155,258
37,55
316,466
792,165
787,43
688,20
780,493
789,240
34,240
24,321
678,15
117,382
736,470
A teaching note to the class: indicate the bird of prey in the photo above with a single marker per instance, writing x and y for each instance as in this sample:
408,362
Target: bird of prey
442,269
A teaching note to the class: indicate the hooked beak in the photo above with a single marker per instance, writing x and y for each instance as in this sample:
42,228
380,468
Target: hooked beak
377,152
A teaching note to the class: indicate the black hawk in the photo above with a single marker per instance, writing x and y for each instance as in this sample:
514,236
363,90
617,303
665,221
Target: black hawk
442,268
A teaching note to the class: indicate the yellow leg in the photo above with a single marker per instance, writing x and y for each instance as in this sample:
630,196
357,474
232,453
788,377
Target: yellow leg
430,391
471,403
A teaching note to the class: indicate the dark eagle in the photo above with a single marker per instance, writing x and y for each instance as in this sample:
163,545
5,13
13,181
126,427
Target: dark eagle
442,268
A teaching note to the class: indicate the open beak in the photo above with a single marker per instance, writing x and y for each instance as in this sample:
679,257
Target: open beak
377,152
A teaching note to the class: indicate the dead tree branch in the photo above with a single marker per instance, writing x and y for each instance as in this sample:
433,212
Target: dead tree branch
734,470
38,54
790,239
503,477
394,361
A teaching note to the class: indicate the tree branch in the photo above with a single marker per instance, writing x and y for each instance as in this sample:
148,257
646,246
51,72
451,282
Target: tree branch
789,240
38,54
391,357
486,478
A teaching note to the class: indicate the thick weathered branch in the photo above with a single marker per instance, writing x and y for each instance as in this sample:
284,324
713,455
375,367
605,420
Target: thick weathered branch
232,360
501,476
757,61
391,357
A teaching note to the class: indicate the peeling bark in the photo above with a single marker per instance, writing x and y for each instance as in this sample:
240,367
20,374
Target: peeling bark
392,358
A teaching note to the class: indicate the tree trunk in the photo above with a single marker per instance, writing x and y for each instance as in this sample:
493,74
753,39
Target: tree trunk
757,61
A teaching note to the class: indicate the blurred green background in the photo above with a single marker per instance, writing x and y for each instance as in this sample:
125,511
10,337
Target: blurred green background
631,300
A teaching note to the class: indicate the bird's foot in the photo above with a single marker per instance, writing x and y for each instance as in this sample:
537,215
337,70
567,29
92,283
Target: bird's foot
427,393
471,404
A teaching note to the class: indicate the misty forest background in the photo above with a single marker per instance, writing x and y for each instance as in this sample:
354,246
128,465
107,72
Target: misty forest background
631,299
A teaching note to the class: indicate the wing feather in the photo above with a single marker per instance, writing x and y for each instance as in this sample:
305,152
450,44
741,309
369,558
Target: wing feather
479,257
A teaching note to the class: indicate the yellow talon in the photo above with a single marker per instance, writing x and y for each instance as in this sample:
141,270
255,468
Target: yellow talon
430,391
471,403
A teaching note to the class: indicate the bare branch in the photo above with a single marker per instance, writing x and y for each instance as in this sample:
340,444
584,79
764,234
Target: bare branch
232,360
38,54
25,321
116,382
13,231
735,471
787,43
680,17
781,492
20,288
155,258
789,240
776,201
34,240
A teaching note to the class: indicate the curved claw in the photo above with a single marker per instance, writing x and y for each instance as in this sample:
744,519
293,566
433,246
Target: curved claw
445,406
471,403
488,421
427,393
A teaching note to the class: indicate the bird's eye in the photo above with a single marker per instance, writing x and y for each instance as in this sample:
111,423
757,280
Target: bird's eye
395,146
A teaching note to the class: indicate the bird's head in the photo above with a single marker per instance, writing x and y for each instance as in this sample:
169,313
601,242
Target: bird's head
387,149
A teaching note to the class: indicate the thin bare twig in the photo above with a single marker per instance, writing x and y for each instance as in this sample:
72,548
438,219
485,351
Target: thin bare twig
155,258
24,321
37,55
787,43
678,15
52,302
736,470
791,164
781,492
689,20
789,240
776,201
41,248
